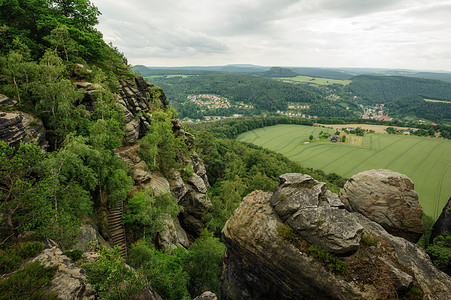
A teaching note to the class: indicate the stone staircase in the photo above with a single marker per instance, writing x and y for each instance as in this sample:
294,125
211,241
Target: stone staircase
116,228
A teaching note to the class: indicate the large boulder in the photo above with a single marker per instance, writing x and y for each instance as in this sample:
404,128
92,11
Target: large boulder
266,259
315,213
70,281
387,198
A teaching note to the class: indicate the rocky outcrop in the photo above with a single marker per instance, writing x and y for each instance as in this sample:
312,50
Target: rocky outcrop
315,213
207,296
138,98
16,126
173,235
268,259
191,195
387,198
87,235
70,281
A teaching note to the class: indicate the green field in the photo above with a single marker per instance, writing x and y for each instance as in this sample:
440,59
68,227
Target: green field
314,80
425,160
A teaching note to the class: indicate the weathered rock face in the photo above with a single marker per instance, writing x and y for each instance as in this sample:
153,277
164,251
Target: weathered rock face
262,262
315,213
87,234
18,126
137,98
207,296
70,281
387,198
191,195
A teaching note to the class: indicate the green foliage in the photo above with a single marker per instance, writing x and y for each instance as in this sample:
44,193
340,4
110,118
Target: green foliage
330,261
205,264
287,233
174,273
440,250
111,278
160,148
225,197
369,240
148,212
28,283
23,199
165,272
428,223
74,254
29,249
11,259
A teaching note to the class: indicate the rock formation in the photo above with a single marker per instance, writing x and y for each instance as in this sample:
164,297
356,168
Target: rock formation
387,198
70,280
191,195
268,259
17,126
315,213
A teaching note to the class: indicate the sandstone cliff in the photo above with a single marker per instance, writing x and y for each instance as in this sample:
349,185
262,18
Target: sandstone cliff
270,252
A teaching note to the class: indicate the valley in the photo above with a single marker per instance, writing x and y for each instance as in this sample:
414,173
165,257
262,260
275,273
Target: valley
425,160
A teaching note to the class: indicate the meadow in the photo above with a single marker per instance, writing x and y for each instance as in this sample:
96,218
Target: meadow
425,160
314,80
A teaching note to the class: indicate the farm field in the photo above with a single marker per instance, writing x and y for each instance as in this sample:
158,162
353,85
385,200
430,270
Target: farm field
314,80
426,161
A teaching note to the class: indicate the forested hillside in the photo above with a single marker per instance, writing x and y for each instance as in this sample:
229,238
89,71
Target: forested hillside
384,89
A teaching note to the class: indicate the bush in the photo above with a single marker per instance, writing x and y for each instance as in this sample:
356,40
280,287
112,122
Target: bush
29,250
330,261
74,254
165,272
29,283
440,250
11,259
205,264
111,278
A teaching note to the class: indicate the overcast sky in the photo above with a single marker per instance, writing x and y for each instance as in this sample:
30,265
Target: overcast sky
410,34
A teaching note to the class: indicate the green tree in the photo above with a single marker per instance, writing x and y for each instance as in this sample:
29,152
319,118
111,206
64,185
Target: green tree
160,148
23,198
166,272
60,39
205,264
111,278
148,212
310,137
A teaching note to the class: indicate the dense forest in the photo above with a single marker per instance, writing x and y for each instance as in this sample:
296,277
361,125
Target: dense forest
384,89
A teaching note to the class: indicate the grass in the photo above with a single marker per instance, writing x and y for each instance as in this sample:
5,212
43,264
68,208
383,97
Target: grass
314,80
425,160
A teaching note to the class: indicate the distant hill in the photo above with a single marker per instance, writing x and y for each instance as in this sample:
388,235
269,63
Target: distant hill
279,72
324,73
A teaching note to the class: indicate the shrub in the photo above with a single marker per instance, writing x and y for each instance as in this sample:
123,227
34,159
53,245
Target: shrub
29,249
440,250
368,240
74,254
165,272
28,283
330,261
111,278
9,261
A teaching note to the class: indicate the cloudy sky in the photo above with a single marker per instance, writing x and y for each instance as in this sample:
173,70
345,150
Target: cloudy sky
410,34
